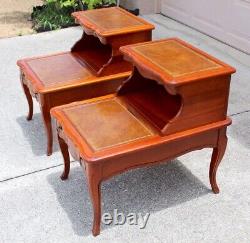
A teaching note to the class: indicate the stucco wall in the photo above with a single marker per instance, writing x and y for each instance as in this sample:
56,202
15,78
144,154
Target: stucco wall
145,6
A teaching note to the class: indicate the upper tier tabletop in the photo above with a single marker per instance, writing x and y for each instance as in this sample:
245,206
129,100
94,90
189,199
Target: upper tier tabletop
111,21
173,61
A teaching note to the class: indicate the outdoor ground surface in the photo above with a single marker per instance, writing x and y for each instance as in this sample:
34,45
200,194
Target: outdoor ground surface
14,15
36,206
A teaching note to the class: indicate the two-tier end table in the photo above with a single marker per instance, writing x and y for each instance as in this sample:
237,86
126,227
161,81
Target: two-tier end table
92,68
174,102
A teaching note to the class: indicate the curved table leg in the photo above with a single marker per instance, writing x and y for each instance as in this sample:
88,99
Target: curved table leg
94,183
217,156
48,127
28,97
66,158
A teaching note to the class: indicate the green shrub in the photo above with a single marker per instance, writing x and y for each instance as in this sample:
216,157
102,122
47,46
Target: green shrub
56,14
98,3
63,3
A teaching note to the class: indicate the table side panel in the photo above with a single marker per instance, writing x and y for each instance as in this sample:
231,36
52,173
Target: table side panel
158,153
204,102
84,92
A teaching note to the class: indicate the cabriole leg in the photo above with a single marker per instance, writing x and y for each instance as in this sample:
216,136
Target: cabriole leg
48,127
217,156
66,158
94,184
28,97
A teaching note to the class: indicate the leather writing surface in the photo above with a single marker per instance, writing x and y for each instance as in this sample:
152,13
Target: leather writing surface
112,18
106,123
50,72
175,58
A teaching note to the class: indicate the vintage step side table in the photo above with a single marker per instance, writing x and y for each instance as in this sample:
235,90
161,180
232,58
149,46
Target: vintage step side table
92,68
174,102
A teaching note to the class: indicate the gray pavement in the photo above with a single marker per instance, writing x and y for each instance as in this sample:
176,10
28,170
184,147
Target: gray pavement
35,206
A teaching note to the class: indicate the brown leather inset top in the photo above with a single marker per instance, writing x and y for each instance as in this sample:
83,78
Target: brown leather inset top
177,60
60,71
111,21
106,123
174,61
50,72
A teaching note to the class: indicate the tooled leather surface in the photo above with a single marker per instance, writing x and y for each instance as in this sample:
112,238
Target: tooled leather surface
177,58
50,72
106,123
114,19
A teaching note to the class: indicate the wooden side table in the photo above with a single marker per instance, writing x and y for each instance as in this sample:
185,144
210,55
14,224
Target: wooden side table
175,102
92,68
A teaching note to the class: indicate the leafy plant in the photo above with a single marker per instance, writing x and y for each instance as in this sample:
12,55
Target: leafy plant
56,14
63,3
97,3
52,16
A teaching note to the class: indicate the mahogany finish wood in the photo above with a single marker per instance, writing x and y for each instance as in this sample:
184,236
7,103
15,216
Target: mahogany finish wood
174,102
92,68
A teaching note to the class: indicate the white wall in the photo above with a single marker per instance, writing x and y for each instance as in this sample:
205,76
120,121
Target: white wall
226,20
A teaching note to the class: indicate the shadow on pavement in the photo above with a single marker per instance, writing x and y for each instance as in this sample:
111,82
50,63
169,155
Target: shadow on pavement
35,133
240,129
145,190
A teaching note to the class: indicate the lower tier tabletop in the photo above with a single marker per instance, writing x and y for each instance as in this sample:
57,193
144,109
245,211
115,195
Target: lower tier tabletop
56,71
106,126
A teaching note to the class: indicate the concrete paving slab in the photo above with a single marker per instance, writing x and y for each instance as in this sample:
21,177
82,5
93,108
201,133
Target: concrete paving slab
41,208
240,129
23,144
